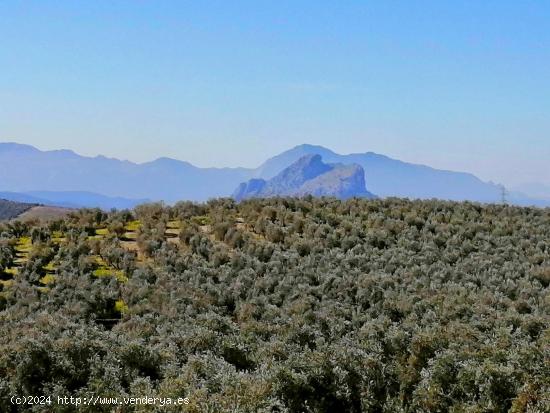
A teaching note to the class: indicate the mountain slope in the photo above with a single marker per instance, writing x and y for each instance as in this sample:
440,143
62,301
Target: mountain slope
276,164
293,177
308,176
343,181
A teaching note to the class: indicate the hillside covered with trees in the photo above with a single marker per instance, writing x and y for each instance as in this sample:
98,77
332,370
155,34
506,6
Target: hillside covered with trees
282,305
12,209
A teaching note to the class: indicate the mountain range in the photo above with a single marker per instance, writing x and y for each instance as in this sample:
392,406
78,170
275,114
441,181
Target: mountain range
63,177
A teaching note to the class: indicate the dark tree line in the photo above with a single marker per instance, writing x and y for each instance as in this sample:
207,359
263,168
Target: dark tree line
12,209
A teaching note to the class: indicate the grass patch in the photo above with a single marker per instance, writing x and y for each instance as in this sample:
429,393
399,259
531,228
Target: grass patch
47,279
12,271
173,225
110,272
121,306
50,267
6,283
99,261
103,272
129,236
58,237
201,220
132,226
24,245
102,232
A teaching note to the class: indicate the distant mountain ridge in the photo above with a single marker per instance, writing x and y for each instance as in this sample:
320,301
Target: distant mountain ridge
26,169
308,176
72,199
390,177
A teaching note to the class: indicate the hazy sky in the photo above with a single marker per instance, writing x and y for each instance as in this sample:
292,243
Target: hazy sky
461,85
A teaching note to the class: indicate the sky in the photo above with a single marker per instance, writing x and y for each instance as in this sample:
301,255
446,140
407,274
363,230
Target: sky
455,85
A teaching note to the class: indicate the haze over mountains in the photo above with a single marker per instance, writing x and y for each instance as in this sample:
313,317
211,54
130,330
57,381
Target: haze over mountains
63,177
535,190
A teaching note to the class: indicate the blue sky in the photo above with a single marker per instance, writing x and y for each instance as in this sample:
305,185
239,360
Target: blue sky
457,85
